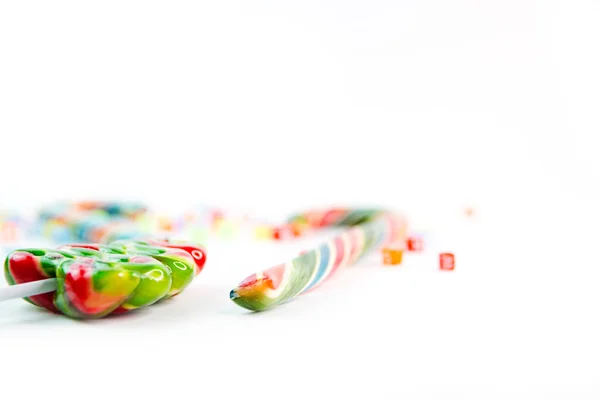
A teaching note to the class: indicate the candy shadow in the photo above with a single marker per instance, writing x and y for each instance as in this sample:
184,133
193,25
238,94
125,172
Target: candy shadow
195,302
15,315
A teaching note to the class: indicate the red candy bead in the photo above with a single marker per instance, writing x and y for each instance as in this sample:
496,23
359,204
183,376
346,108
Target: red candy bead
283,232
296,229
447,261
276,233
414,243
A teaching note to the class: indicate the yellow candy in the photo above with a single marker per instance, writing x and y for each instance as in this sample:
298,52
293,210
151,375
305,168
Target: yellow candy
263,232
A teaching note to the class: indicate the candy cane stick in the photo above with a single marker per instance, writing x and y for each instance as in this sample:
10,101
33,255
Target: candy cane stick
279,284
28,289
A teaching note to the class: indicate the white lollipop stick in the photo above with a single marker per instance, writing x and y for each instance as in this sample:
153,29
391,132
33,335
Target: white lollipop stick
28,289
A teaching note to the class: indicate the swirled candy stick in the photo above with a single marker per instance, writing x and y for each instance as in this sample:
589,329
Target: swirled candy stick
277,285
92,281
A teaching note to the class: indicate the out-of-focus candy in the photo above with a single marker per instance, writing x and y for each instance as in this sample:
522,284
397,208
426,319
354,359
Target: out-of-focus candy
12,227
392,255
114,209
100,222
287,231
123,209
446,261
96,280
415,243
263,232
166,224
277,233
298,229
9,231
218,222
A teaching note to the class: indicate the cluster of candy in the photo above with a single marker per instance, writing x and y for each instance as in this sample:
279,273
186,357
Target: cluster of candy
393,254
103,222
289,230
94,280
12,227
204,222
368,229
98,222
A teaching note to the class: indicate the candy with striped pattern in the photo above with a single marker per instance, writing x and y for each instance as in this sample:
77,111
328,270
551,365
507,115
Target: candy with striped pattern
369,229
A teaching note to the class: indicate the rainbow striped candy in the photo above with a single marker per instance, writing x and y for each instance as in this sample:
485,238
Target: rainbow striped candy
281,283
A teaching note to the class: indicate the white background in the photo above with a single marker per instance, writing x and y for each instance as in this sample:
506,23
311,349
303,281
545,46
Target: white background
426,106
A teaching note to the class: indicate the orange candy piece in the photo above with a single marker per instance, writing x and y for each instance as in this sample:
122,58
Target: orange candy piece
392,255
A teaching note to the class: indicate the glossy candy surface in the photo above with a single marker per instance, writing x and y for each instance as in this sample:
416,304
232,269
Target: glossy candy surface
281,283
95,280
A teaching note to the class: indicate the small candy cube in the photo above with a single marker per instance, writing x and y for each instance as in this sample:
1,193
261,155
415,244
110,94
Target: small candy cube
414,243
277,233
392,255
283,232
297,229
446,261
263,232
165,224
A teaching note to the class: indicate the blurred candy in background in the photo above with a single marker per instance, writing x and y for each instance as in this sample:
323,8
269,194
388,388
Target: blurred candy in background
104,222
13,229
98,222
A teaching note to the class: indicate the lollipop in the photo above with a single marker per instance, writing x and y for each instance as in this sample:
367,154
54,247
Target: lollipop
279,284
85,281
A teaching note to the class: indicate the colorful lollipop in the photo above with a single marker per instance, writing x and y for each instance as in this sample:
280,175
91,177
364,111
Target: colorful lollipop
86,281
277,285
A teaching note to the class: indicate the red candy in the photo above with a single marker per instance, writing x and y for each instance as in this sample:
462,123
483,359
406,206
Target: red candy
447,261
198,252
414,243
283,232
24,267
